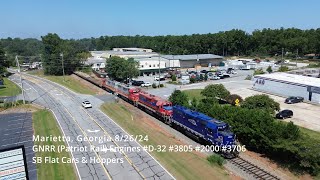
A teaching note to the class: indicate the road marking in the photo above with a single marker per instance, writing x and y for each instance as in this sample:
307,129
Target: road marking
93,131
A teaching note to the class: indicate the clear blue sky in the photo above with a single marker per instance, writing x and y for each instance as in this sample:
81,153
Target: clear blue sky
93,18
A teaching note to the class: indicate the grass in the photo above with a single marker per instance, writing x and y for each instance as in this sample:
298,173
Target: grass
194,93
70,82
183,165
45,125
9,88
311,133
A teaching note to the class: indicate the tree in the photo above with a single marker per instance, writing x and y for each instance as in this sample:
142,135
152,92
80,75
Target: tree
215,91
283,69
120,69
205,77
173,77
52,61
3,61
269,69
234,99
262,101
201,77
179,98
258,71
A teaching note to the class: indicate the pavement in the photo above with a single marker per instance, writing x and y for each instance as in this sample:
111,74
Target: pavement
304,114
16,130
75,122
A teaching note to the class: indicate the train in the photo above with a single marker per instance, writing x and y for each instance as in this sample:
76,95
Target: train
204,128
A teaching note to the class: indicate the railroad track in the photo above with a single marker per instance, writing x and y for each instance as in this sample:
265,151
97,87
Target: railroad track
252,169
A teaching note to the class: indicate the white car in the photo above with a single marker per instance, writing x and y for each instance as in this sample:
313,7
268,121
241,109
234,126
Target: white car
146,84
86,104
214,77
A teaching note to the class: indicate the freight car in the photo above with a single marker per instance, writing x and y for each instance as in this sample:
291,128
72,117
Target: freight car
206,128
191,122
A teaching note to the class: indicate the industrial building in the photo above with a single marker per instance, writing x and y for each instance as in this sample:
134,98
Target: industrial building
190,61
150,65
285,84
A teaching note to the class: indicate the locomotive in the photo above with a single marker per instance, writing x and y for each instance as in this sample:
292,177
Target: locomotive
193,123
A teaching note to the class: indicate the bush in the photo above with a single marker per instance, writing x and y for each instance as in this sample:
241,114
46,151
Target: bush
283,69
261,101
205,77
269,69
249,77
161,85
201,77
154,85
192,80
231,99
258,71
216,159
173,77
215,91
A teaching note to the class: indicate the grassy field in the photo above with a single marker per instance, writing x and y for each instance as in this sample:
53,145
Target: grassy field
9,88
182,165
194,93
69,82
45,125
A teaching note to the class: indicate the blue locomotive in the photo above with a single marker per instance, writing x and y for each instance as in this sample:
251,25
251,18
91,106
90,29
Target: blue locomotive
204,127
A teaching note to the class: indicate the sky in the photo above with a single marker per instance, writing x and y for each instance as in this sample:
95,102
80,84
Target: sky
94,18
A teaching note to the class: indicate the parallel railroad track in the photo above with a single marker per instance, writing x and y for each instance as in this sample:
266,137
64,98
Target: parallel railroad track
252,169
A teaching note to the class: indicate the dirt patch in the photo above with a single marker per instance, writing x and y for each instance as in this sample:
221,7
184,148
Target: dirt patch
21,109
87,84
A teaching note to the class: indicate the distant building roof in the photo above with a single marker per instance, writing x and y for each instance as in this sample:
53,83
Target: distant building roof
124,53
192,56
292,78
153,58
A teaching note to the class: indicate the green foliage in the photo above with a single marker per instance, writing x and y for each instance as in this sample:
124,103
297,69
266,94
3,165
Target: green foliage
269,69
161,85
258,71
192,80
56,52
283,69
249,77
231,99
3,61
179,98
173,77
261,101
314,65
154,85
205,77
215,91
194,103
201,77
216,159
120,69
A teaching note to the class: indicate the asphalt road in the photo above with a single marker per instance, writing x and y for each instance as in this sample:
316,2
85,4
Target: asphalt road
76,122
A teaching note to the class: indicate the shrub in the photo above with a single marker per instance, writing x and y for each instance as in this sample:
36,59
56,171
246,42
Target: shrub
216,159
154,85
201,77
261,101
269,69
192,80
249,77
161,85
231,99
258,71
283,69
173,77
205,77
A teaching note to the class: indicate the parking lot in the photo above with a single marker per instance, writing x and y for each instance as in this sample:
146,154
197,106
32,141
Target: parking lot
16,130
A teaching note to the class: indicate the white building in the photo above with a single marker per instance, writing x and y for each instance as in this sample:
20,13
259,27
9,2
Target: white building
122,54
150,65
192,60
132,50
286,85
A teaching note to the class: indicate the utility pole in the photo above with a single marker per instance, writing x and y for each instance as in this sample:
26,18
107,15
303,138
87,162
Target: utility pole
159,70
18,64
282,54
297,57
62,66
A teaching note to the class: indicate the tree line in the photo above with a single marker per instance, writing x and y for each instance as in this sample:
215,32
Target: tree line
265,42
255,126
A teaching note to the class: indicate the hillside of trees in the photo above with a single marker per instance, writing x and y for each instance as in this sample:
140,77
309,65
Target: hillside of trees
265,42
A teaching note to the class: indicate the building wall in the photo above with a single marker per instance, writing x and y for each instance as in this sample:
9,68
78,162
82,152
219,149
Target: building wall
202,62
283,88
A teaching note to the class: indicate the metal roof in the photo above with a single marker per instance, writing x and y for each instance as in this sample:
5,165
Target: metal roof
293,78
124,52
192,57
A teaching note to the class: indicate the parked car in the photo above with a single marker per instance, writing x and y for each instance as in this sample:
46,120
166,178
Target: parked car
162,78
137,83
294,99
146,84
86,104
284,114
214,77
204,71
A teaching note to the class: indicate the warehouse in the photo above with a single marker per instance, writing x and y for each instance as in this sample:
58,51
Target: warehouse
286,85
190,61
150,66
